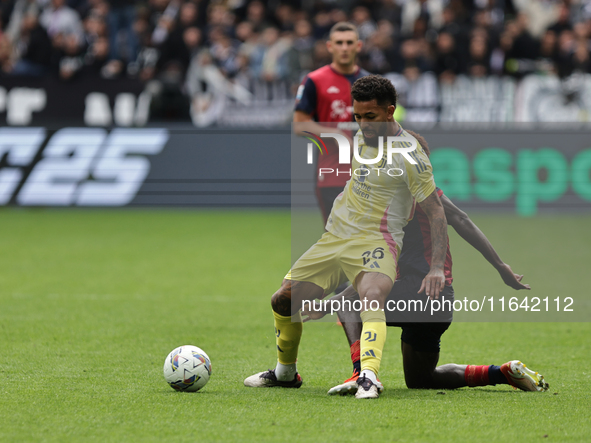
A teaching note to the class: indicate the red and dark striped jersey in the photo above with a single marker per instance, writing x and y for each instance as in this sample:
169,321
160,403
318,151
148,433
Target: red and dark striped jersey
326,96
415,257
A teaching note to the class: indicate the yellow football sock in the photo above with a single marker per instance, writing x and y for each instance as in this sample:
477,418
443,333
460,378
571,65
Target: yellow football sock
373,338
288,332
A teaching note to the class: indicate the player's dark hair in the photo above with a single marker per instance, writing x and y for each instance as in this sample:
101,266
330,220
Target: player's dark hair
422,141
343,27
374,87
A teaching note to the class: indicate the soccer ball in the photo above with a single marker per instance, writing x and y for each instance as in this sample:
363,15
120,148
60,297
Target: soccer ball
187,368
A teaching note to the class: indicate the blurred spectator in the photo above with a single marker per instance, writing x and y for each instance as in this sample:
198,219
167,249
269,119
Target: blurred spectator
582,30
365,24
184,38
548,47
247,39
389,11
97,57
450,23
304,44
256,15
268,61
72,59
563,23
430,10
412,59
218,16
33,47
338,15
6,7
322,24
224,51
449,62
581,62
420,28
565,52
380,55
95,27
122,15
524,44
58,18
321,55
478,64
5,54
284,17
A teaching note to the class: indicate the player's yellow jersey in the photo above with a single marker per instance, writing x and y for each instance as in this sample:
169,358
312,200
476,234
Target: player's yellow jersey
379,199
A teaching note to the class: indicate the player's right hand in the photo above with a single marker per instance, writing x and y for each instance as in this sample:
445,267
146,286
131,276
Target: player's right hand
510,278
433,283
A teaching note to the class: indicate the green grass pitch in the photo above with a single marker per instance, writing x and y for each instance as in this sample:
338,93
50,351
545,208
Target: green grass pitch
92,301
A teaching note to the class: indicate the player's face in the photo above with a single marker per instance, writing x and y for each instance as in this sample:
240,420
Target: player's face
372,119
344,46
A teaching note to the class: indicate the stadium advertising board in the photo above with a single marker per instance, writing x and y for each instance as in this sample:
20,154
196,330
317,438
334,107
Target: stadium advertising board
526,179
514,170
75,166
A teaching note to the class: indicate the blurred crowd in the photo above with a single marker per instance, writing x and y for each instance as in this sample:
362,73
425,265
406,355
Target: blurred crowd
236,40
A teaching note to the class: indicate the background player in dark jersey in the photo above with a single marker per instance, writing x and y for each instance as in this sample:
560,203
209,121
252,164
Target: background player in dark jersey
421,339
325,96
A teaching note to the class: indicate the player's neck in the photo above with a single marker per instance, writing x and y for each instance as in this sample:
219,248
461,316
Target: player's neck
344,69
393,129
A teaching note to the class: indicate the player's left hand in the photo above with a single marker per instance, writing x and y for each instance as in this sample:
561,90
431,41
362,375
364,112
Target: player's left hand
433,283
510,278
313,314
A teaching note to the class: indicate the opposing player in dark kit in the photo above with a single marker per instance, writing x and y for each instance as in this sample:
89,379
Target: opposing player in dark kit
325,96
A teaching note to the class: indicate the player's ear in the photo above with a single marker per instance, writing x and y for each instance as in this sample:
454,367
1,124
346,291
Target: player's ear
391,110
359,45
329,46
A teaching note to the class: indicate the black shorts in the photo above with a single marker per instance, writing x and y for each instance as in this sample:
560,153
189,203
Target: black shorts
420,329
326,197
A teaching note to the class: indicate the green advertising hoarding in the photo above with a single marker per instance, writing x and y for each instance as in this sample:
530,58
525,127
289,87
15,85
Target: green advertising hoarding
527,171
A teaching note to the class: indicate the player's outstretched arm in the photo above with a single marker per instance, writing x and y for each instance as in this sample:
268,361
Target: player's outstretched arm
304,122
434,282
468,230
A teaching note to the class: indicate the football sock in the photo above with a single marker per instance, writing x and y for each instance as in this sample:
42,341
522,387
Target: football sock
288,332
484,375
373,338
496,377
476,375
369,374
355,356
285,372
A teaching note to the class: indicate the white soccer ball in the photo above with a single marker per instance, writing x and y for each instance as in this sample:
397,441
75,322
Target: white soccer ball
187,368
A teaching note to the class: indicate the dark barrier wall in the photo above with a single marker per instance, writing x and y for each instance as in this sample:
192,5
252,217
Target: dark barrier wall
220,168
513,170
46,101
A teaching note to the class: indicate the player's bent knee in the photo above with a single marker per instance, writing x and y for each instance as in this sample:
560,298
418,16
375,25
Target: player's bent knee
375,295
281,300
